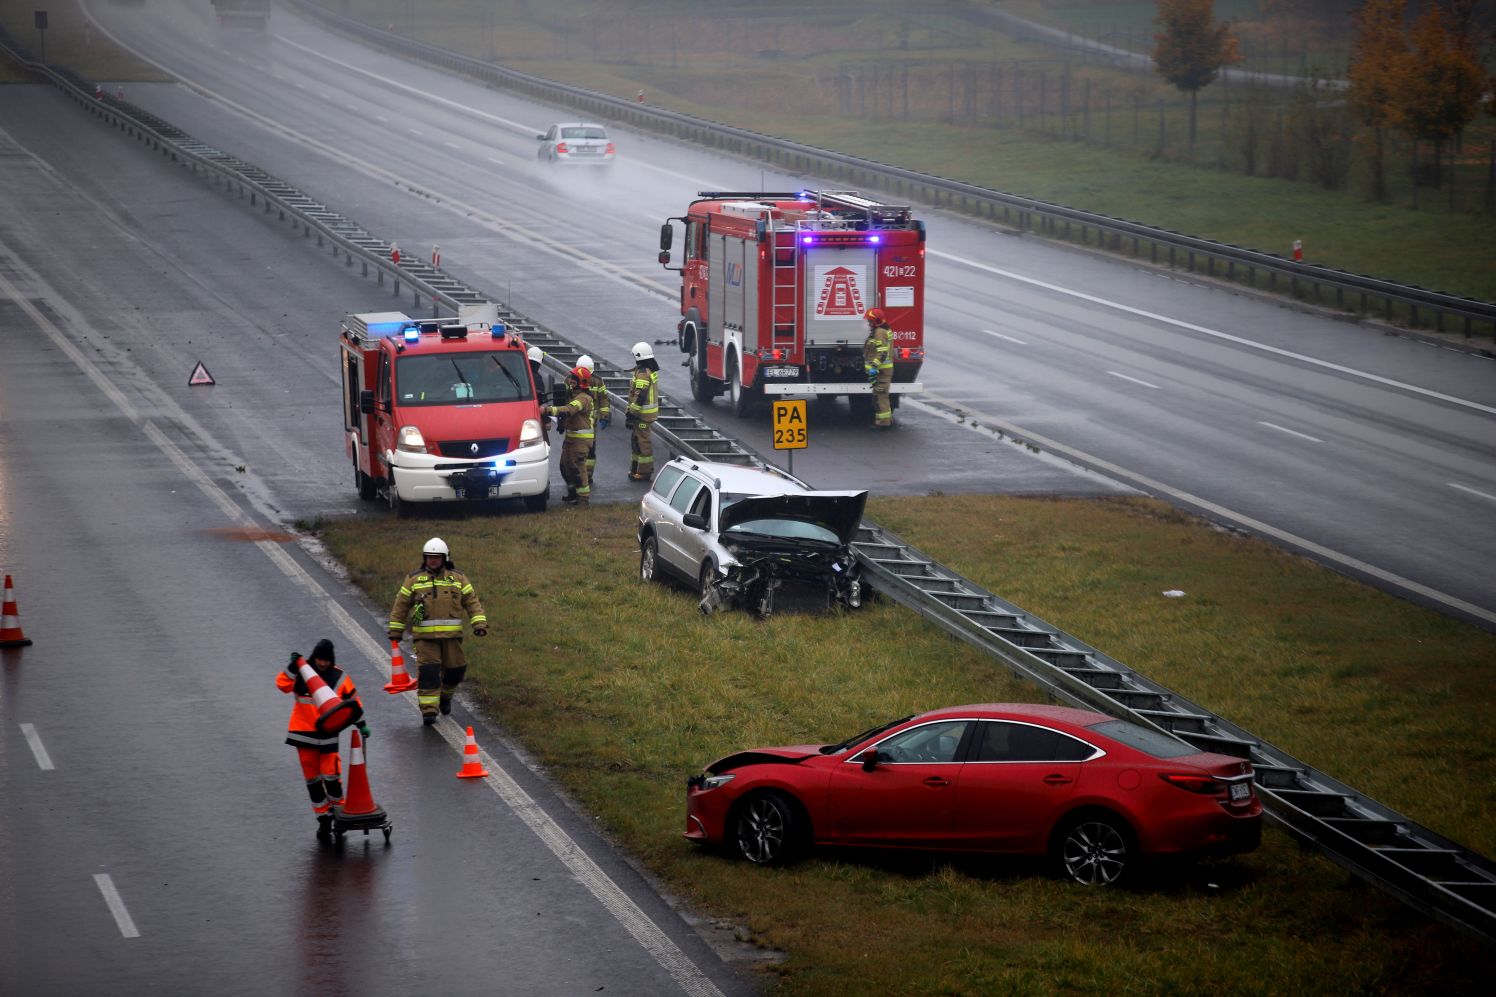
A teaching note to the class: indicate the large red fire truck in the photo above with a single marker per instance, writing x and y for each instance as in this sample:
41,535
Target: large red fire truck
441,410
774,288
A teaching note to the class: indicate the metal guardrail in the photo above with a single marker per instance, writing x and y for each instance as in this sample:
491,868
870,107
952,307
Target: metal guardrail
1327,286
1409,861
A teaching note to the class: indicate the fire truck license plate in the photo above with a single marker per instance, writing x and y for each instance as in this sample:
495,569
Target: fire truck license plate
781,372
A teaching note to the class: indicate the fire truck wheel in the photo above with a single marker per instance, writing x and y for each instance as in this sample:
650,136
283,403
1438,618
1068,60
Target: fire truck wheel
364,484
702,388
536,503
398,507
740,398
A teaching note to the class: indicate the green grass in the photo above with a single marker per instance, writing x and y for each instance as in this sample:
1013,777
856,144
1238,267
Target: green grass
69,41
622,689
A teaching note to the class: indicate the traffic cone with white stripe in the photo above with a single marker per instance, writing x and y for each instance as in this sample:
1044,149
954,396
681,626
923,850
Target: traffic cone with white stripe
333,711
472,767
10,619
400,679
358,802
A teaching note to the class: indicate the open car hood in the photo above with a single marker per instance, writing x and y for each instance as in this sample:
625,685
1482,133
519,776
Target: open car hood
839,512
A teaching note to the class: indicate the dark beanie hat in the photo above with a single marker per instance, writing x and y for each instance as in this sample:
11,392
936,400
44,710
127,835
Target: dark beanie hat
323,651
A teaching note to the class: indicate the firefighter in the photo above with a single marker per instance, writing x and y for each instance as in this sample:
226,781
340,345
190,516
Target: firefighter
321,765
877,356
433,599
644,409
576,421
602,414
535,355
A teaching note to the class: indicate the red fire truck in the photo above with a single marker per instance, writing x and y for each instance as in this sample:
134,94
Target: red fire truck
774,288
441,410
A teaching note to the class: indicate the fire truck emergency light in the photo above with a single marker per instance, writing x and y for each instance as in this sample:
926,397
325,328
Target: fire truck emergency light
412,334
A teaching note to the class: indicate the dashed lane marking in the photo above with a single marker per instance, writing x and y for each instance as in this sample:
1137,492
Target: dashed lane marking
992,332
1473,491
1134,380
116,905
38,749
1290,432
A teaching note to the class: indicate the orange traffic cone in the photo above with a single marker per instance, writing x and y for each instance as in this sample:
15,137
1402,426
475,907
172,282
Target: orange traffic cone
358,801
10,623
400,680
333,711
472,768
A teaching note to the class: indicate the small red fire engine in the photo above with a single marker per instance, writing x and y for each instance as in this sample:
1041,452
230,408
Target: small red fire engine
774,288
442,410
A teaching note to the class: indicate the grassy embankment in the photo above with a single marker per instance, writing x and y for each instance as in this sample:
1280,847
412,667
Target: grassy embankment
71,42
781,69
622,689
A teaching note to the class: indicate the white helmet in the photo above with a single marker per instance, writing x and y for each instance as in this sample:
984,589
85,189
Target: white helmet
436,545
535,354
643,351
585,361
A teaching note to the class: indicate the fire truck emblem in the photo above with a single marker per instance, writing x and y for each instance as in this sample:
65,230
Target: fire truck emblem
841,293
474,448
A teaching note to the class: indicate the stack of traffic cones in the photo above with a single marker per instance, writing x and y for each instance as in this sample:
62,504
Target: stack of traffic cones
358,802
333,711
472,767
10,621
400,680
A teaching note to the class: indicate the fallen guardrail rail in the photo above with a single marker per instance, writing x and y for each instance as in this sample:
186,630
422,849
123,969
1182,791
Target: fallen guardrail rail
1413,863
1321,286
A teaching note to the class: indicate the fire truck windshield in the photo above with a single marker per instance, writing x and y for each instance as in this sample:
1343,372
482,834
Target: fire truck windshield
462,378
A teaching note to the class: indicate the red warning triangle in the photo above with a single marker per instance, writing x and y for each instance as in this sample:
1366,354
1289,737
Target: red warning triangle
200,375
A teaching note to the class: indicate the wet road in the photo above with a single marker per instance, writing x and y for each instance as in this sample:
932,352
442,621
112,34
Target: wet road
1371,453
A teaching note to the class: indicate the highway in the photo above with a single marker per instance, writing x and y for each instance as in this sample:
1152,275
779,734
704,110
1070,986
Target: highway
1373,453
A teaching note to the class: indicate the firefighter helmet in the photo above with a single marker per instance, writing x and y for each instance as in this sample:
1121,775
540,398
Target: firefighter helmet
436,545
875,316
577,374
584,362
535,354
643,351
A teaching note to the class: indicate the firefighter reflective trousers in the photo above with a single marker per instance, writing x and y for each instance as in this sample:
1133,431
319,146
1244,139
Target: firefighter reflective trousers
574,469
641,446
882,410
440,666
323,771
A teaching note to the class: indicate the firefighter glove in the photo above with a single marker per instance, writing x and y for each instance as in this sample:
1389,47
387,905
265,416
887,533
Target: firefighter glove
295,657
363,728
604,422
872,372
480,631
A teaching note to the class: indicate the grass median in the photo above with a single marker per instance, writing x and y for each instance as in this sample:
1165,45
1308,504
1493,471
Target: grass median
621,689
69,40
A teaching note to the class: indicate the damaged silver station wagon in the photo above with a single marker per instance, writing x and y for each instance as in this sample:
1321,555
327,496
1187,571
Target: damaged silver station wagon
738,534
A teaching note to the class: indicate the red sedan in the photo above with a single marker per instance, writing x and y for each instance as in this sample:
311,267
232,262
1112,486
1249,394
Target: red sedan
1097,795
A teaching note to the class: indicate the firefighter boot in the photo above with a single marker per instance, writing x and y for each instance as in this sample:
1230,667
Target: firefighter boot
570,498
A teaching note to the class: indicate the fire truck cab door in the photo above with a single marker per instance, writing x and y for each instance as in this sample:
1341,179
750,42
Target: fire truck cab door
384,417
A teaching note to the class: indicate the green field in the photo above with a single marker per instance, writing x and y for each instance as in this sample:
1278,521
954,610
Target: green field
621,689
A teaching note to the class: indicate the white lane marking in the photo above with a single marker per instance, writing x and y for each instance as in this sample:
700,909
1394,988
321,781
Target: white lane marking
1216,333
687,975
1290,432
1257,525
1473,491
353,107
493,159
116,905
999,335
381,119
34,739
1134,380
415,131
451,145
518,126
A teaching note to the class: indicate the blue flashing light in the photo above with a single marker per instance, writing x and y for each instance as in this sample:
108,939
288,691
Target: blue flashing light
807,239
412,334
875,238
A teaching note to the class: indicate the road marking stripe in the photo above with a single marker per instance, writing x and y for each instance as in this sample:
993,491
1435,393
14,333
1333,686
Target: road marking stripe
1227,337
452,145
1001,336
687,975
37,748
1134,380
116,905
1473,491
1257,525
1290,432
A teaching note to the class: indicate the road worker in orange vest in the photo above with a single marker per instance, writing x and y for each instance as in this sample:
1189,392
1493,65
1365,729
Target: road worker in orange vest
432,601
321,764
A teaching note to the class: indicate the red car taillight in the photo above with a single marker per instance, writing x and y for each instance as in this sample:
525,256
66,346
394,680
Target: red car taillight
561,149
1202,784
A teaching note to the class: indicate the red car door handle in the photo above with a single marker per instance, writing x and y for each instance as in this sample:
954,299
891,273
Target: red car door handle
936,782
1057,780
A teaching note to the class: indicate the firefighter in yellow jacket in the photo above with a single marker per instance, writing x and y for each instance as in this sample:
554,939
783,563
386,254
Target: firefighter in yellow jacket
644,409
432,601
877,356
602,412
321,765
576,421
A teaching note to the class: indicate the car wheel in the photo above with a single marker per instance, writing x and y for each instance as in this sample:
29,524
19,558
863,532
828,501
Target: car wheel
706,580
649,557
1095,851
769,829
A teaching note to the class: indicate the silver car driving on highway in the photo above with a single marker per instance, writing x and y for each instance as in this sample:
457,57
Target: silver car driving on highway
738,534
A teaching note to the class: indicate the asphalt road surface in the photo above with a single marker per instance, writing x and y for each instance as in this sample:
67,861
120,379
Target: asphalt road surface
1373,453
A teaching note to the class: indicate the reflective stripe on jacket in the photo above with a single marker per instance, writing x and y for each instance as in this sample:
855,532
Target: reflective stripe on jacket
434,603
600,405
301,728
877,351
644,394
575,415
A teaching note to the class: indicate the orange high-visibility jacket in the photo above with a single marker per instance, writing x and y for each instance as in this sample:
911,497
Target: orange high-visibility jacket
301,729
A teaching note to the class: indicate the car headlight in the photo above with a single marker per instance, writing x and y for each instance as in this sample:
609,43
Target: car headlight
716,781
530,432
411,440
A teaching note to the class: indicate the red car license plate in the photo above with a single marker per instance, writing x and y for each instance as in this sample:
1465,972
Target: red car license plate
1240,790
